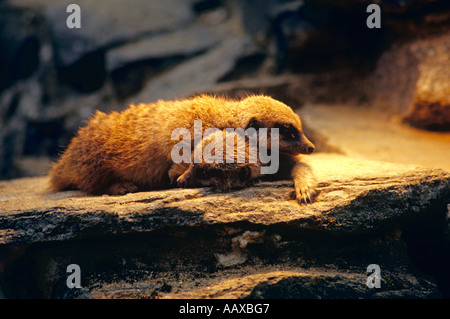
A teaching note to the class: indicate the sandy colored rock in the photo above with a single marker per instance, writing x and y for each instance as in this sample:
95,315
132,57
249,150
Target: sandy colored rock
299,285
355,196
431,104
365,133
412,79
192,242
243,287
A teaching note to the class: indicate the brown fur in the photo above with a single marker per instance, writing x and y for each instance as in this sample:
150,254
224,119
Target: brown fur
131,150
223,176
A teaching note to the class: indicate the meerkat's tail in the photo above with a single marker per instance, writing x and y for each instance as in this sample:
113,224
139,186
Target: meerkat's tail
61,179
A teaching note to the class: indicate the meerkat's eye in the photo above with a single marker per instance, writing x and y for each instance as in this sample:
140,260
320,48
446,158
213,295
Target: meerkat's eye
288,132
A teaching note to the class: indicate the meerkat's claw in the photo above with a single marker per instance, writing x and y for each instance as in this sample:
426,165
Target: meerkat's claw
305,193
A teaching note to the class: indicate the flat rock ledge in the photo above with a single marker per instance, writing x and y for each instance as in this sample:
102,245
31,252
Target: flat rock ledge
251,243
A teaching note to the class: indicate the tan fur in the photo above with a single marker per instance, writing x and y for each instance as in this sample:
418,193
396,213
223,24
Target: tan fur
131,150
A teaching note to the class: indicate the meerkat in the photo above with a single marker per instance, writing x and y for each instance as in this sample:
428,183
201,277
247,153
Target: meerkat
130,151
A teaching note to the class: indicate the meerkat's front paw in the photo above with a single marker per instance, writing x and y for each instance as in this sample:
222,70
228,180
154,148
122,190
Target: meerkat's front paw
305,183
305,191
186,179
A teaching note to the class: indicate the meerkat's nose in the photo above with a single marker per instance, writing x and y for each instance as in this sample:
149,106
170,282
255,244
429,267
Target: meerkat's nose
308,146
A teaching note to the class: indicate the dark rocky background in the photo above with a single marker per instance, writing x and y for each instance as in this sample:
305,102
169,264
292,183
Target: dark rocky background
376,102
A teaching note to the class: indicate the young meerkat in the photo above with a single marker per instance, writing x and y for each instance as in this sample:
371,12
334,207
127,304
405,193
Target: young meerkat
226,174
130,151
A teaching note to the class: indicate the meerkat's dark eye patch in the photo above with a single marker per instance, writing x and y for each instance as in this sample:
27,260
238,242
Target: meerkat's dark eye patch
255,123
288,131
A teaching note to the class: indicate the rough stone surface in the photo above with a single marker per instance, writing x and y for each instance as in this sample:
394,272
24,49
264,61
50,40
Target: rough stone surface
419,70
105,23
313,284
350,128
196,75
185,42
363,205
431,104
356,196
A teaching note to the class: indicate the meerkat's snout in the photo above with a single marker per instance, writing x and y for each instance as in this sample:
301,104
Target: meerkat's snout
306,146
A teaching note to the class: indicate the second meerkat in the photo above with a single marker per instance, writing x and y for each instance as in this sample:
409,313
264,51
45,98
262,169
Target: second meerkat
130,151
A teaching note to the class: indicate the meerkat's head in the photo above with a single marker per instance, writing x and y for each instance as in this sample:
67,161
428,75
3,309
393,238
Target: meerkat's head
265,112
